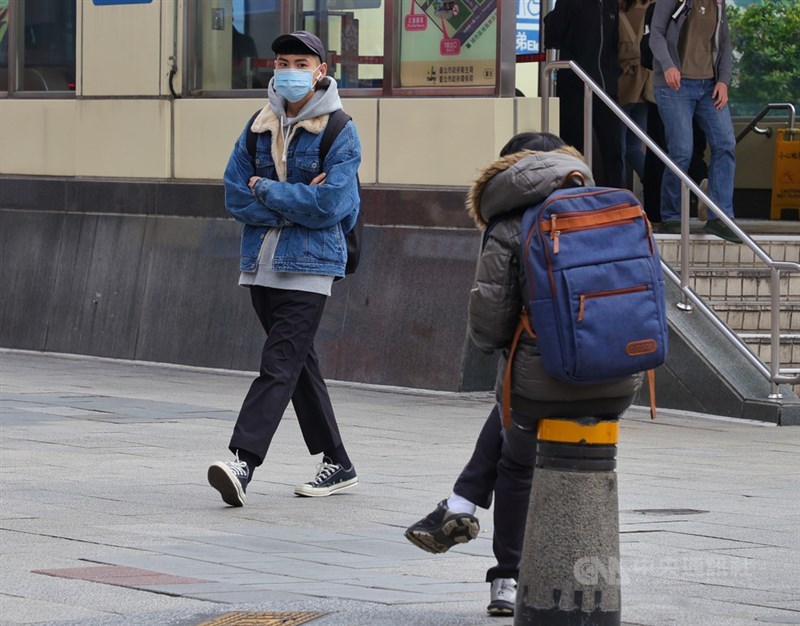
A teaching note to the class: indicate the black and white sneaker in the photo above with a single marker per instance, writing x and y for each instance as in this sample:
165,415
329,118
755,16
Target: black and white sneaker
503,597
441,529
330,478
230,478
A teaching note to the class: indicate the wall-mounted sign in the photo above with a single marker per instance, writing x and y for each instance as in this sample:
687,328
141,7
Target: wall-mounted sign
107,2
448,43
529,30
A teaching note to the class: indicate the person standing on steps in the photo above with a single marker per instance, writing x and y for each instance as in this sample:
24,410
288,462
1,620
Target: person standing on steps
692,61
295,212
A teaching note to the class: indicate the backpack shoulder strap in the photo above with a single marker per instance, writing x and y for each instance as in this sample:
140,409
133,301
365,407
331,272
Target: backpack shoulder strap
524,324
252,138
336,122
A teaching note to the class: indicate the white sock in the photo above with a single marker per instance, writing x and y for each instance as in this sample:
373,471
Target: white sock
459,504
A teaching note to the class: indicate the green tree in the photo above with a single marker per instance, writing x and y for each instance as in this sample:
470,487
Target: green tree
766,47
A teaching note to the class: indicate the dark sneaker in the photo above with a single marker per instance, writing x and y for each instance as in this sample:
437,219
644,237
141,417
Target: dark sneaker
702,207
503,595
716,227
230,478
330,478
670,228
441,530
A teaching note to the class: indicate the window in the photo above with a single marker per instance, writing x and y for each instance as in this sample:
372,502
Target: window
352,31
44,55
3,45
233,40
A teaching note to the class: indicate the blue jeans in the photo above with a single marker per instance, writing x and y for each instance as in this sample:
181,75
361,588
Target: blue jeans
632,148
677,109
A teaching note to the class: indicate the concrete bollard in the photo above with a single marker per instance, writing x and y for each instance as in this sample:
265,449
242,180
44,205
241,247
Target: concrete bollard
569,571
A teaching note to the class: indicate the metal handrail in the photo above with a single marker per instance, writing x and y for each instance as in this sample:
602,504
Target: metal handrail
767,131
773,372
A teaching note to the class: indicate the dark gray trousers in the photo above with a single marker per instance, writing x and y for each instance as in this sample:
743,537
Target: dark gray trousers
501,465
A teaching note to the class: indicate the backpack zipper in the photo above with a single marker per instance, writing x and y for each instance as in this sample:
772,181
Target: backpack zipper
588,220
604,294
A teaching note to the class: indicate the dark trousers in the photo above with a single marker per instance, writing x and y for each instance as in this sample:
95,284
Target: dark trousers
607,169
289,371
501,464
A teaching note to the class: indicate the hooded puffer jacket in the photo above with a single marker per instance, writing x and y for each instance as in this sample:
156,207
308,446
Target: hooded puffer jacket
499,196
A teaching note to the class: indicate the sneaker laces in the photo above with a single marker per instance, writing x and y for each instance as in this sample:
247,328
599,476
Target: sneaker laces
324,471
239,468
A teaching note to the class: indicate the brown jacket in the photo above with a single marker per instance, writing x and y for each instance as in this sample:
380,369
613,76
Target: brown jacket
635,82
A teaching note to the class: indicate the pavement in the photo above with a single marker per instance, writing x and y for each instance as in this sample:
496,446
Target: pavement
106,517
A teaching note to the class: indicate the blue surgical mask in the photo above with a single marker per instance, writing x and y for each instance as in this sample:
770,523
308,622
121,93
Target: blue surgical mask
293,84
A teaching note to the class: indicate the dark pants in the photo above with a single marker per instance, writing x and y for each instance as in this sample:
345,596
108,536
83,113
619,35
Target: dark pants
501,464
607,128
289,371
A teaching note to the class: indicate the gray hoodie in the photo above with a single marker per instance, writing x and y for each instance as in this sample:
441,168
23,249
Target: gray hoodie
665,33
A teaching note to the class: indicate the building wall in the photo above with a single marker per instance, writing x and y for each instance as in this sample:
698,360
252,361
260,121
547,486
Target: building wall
124,124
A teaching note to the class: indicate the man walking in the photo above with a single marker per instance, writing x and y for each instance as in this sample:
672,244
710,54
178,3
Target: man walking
296,211
692,61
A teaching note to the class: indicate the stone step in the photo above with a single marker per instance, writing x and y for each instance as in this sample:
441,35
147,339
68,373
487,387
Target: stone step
737,286
710,251
761,345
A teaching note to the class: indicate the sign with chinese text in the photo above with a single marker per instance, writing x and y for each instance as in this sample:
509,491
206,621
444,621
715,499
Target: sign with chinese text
528,27
448,43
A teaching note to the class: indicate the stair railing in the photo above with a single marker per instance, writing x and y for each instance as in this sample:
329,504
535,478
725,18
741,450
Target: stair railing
771,373
767,131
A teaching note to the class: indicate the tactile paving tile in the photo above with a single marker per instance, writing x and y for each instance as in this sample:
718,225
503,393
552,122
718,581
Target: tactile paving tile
120,576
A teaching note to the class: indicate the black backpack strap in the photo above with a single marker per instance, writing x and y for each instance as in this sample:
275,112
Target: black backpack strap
336,122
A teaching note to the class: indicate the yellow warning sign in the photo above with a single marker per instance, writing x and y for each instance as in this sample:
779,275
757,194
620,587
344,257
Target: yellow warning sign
283,618
786,175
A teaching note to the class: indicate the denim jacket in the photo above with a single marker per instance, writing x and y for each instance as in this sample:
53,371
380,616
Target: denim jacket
313,219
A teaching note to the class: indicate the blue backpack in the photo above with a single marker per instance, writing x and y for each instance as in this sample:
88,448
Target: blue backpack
592,267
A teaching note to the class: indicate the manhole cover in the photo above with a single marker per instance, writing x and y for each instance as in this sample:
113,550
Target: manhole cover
669,511
286,618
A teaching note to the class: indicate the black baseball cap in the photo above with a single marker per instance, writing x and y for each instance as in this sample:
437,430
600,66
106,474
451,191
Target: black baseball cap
299,42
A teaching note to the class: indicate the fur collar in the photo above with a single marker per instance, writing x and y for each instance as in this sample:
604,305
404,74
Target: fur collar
267,122
549,173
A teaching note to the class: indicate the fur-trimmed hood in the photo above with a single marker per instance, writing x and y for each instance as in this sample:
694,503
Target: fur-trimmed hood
520,180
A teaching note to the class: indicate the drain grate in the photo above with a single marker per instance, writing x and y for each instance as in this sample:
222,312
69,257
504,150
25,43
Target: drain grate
286,618
669,511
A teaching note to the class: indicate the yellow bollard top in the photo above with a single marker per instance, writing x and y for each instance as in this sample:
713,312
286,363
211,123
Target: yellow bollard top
570,431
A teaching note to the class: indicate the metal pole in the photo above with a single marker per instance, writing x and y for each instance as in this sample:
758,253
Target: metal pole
685,250
775,344
587,124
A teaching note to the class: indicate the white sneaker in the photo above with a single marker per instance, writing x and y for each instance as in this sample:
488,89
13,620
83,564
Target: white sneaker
503,597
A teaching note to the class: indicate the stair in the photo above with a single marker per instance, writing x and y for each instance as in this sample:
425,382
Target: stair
736,286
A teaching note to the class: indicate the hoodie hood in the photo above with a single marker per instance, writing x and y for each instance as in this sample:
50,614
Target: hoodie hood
313,117
520,180
324,102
